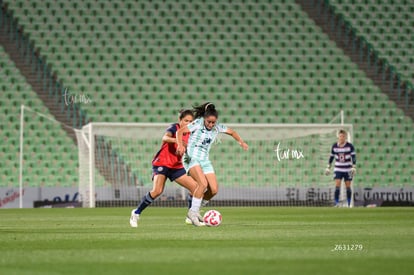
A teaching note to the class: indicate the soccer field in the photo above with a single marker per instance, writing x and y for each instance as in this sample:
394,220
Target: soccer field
250,241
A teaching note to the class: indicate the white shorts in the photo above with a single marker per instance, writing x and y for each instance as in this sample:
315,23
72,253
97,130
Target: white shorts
205,164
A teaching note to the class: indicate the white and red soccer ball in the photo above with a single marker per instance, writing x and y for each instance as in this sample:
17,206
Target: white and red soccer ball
212,218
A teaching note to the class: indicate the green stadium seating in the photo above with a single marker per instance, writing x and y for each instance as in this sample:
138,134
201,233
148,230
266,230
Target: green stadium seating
141,61
44,142
387,26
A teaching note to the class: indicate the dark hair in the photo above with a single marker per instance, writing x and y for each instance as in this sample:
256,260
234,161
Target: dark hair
342,131
205,110
185,112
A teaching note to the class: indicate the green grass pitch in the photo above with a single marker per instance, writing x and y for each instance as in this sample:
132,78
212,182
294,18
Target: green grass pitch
273,240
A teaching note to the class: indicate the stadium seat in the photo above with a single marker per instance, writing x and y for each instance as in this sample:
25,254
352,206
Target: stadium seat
267,54
16,91
386,21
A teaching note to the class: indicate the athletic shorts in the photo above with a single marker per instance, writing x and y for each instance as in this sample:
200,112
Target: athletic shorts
342,175
170,173
205,165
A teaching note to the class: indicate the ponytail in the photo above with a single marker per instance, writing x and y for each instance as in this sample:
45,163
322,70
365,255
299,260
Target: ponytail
205,110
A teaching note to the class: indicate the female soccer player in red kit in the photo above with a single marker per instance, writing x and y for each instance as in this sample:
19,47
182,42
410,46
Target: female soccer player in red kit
167,164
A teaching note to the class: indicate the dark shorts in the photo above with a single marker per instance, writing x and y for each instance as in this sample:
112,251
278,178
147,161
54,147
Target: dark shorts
170,173
343,175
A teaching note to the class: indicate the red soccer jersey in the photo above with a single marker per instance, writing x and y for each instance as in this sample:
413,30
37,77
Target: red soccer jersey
167,155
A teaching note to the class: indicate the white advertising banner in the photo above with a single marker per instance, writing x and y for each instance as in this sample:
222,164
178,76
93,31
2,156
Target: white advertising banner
10,197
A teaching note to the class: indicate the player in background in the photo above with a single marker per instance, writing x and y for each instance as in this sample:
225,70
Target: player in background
204,130
167,164
345,165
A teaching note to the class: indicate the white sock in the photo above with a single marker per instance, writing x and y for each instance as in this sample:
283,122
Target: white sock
195,204
204,203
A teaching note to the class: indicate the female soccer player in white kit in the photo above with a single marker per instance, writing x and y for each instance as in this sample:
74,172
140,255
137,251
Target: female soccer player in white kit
204,130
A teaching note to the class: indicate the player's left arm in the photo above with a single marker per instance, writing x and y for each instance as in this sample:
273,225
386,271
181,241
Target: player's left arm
353,155
237,137
168,138
353,158
179,139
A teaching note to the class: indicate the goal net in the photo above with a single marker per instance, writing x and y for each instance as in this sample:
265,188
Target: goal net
41,169
284,165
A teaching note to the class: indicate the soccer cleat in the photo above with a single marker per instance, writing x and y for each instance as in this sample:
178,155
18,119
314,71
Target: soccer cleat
194,218
189,222
200,218
133,221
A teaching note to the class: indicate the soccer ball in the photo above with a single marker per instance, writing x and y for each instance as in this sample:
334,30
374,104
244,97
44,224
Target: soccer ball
212,218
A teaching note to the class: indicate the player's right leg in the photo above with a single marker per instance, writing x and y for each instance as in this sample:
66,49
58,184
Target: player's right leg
337,190
157,189
190,184
198,175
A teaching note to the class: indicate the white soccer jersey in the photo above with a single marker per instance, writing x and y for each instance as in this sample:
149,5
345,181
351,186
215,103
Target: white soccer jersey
201,138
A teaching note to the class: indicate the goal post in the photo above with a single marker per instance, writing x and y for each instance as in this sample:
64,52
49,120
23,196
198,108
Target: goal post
107,162
45,170
284,164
